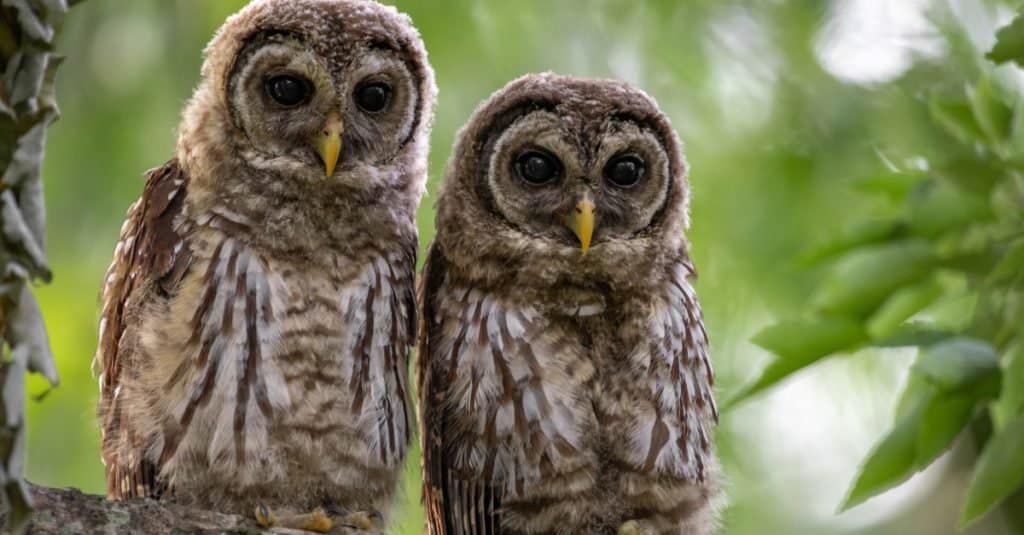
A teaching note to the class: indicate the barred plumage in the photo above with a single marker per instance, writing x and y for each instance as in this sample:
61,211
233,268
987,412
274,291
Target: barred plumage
565,385
258,315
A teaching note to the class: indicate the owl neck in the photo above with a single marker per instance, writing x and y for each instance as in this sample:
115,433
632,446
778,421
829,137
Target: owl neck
526,271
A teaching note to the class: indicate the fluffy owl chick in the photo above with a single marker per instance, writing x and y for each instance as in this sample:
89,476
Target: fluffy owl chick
564,373
259,310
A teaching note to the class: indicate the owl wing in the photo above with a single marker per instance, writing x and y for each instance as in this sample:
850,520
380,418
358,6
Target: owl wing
453,505
150,260
431,402
681,382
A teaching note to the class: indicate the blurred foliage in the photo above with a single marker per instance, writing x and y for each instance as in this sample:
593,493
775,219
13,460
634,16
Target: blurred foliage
803,120
956,235
1010,43
27,107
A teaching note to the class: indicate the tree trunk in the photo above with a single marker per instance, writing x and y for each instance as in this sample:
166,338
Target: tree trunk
28,105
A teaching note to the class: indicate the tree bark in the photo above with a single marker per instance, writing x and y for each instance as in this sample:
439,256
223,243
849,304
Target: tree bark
28,65
66,511
69,511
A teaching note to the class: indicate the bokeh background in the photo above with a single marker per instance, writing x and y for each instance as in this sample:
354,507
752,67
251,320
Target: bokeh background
782,105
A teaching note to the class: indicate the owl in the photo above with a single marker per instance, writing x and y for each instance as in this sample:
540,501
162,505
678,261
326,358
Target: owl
260,308
564,379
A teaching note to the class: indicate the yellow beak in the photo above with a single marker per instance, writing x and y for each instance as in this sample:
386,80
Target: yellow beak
581,221
328,142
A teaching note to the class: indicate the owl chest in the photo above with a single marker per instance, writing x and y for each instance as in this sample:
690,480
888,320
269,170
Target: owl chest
343,357
517,395
544,399
281,359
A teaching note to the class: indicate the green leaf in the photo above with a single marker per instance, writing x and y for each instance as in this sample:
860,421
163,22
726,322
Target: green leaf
798,344
1016,141
946,383
913,334
991,114
998,473
971,171
889,463
892,184
864,278
1010,267
1011,397
860,234
1007,197
955,116
1009,43
900,306
916,395
929,421
935,207
957,363
941,421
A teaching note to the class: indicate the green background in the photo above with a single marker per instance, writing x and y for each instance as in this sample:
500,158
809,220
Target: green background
781,105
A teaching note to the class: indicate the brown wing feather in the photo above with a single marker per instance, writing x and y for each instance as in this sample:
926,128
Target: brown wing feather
430,398
454,506
151,258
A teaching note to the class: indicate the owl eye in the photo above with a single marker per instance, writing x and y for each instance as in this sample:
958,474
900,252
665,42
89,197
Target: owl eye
624,171
288,91
536,167
373,97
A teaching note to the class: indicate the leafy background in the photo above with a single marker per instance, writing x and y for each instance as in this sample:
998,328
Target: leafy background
857,190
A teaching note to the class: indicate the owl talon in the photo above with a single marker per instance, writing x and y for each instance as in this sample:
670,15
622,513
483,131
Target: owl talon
362,520
265,517
316,521
633,528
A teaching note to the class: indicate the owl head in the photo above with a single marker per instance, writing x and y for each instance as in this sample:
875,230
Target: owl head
564,181
326,95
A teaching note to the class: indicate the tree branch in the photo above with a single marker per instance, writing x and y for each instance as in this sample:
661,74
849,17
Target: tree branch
60,511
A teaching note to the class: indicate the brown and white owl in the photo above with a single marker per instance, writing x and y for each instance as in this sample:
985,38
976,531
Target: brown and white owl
260,307
564,374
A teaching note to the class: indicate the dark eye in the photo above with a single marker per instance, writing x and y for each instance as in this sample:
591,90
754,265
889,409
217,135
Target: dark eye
624,171
537,167
373,97
288,90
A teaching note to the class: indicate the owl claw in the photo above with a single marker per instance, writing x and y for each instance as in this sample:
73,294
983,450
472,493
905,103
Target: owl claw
321,521
315,521
633,528
371,521
265,517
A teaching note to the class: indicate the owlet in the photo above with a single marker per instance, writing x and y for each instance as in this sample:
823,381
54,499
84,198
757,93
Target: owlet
259,311
564,375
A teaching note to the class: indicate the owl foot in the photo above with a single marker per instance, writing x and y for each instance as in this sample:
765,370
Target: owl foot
316,521
634,528
371,521
320,521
